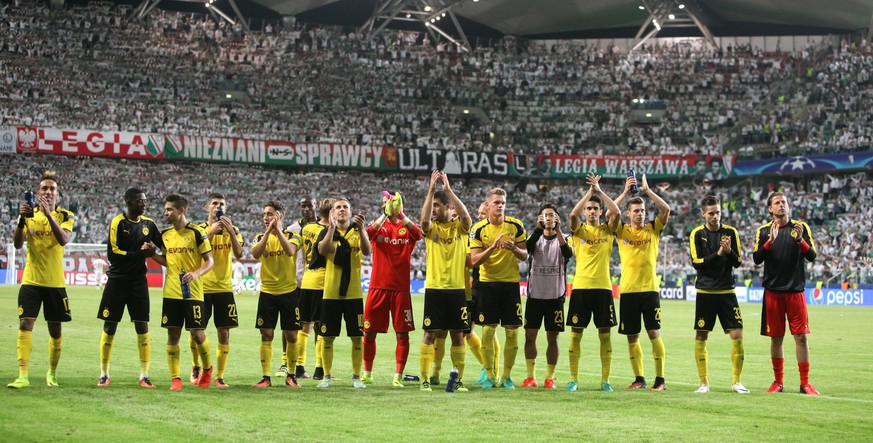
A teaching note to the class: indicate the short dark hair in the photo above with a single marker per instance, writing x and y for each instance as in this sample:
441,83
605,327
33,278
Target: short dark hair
772,196
215,195
177,200
596,199
275,204
132,193
441,196
710,200
547,206
634,201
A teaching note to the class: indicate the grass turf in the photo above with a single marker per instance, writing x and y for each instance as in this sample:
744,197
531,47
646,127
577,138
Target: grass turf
79,411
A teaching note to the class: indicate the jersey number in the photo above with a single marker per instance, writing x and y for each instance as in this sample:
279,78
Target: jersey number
518,309
464,314
231,310
657,314
559,317
197,314
737,314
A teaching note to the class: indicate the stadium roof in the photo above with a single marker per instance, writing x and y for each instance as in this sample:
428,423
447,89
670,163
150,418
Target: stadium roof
614,18
562,18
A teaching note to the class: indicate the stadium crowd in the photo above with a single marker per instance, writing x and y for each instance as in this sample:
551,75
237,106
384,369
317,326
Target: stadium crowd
92,67
92,188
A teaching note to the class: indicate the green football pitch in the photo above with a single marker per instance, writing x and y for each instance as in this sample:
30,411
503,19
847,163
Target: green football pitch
80,411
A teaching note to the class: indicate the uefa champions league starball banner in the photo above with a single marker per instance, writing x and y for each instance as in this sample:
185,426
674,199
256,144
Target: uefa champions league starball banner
813,163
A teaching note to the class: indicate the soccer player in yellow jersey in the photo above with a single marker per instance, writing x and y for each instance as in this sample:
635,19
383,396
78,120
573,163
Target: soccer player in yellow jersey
218,296
46,228
715,252
497,244
342,245
638,248
592,286
312,286
187,256
445,303
127,284
276,249
307,216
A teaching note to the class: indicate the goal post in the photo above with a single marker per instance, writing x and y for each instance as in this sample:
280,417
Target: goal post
79,263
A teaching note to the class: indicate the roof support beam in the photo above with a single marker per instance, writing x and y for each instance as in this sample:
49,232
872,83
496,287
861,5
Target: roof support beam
386,11
870,30
671,14
242,19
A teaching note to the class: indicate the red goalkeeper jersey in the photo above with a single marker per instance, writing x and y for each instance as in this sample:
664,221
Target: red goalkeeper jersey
392,253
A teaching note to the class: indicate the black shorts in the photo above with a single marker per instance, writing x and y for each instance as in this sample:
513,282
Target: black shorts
333,312
225,309
636,304
499,303
133,293
178,313
550,311
271,307
585,303
310,305
57,305
471,314
445,310
723,306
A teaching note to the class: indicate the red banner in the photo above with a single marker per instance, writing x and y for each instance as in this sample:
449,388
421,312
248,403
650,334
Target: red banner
96,143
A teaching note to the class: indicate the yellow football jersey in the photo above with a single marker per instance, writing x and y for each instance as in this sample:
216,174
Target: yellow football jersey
45,256
501,265
446,245
638,249
184,249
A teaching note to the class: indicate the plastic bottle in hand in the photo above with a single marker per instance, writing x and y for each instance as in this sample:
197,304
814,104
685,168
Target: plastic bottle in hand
186,287
635,188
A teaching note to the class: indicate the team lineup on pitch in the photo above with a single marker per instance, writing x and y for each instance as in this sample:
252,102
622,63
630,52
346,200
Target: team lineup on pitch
310,274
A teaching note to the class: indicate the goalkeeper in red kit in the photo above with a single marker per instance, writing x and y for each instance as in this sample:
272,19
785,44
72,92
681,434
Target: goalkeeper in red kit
393,236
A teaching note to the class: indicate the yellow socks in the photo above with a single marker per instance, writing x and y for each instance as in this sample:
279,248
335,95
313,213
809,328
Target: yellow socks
426,355
54,352
439,353
510,351
302,340
205,354
173,361
575,354
737,356
357,355
459,355
195,351
319,351
266,357
291,354
636,358
474,344
25,346
488,352
496,351
531,367
327,354
143,343
702,359
605,356
550,372
105,352
660,356
221,360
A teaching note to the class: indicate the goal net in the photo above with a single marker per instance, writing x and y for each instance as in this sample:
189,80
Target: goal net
81,265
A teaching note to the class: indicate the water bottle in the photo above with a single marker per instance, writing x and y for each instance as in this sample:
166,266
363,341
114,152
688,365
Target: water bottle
634,187
186,287
29,198
453,378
